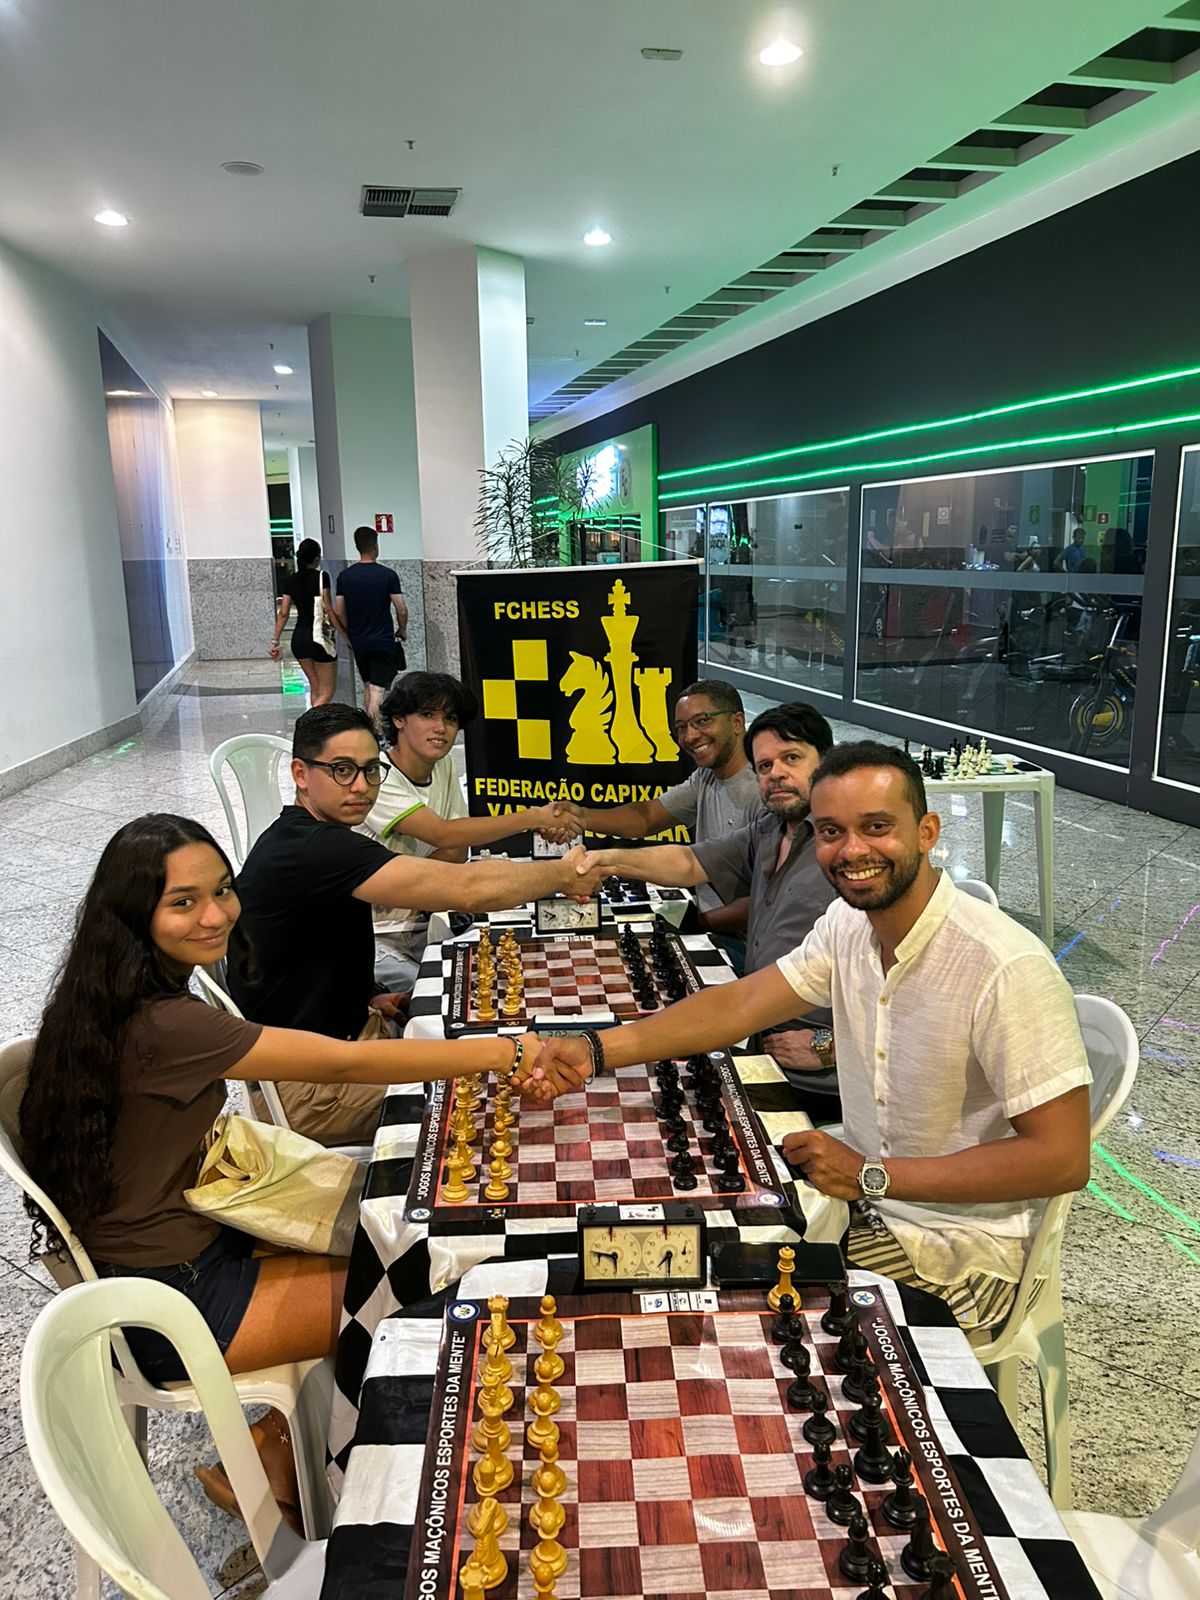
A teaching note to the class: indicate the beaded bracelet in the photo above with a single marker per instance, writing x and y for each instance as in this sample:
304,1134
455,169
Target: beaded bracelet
518,1052
596,1049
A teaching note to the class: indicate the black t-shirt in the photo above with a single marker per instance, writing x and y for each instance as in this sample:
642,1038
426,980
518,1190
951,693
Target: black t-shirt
314,943
367,588
301,589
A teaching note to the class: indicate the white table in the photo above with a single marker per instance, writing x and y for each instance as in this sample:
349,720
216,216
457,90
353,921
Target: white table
992,790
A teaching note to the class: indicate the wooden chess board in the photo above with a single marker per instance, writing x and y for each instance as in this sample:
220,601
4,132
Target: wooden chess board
568,977
684,1463
605,1145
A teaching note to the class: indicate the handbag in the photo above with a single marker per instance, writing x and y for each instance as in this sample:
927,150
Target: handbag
322,628
279,1186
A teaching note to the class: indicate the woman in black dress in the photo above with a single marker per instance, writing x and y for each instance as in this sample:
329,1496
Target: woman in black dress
302,589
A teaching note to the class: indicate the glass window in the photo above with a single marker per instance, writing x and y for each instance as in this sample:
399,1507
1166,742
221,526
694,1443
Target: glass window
1179,736
776,576
1009,602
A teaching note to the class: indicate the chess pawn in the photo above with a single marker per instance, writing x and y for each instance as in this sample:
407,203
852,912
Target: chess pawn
543,1430
549,1366
548,1330
549,1480
819,1480
501,1146
547,1518
819,1429
544,1578
877,1579
843,1505
856,1552
496,1188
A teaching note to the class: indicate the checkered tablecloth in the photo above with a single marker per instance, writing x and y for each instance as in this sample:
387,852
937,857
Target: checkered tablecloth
368,1552
395,1263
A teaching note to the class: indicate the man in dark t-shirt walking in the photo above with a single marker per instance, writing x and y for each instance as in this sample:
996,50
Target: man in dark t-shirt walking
367,593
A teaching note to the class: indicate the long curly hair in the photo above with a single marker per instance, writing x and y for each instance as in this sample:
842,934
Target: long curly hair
112,968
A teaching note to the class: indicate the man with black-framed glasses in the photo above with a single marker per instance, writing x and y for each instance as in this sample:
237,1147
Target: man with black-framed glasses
307,889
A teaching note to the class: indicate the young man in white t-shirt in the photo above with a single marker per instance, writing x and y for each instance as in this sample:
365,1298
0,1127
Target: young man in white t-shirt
962,1071
421,809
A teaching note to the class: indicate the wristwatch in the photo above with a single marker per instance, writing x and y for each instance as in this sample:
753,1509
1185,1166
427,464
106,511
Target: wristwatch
821,1045
873,1180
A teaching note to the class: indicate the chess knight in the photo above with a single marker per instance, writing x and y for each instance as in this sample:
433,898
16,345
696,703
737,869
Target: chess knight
608,729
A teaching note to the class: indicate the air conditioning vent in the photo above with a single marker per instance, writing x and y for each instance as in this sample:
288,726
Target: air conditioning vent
381,200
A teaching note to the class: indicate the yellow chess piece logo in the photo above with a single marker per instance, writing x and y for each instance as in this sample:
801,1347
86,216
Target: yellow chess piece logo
607,726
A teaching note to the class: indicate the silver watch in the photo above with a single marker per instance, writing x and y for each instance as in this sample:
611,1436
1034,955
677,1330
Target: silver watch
873,1180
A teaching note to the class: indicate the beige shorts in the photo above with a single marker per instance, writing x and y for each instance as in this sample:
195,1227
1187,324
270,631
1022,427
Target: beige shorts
978,1301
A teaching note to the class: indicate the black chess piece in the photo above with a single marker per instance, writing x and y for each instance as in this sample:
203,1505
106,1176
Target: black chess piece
715,1120
920,1550
800,1394
819,1479
873,1462
667,1074
856,1552
683,1171
854,1383
670,1104
842,1359
877,1577
783,1329
729,1174
679,1143
843,1503
818,1427
899,1508
859,1424
941,1573
840,1317
797,1357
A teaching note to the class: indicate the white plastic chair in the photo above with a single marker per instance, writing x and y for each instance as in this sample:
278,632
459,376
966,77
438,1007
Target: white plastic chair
1034,1328
1151,1558
977,888
301,1390
89,1465
254,759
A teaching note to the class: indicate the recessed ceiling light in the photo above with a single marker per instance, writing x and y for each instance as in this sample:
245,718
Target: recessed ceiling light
597,237
650,53
780,54
284,372
242,169
122,394
111,219
595,322
208,394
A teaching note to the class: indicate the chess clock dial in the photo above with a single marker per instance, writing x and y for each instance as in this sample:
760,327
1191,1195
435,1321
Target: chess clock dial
560,915
619,1249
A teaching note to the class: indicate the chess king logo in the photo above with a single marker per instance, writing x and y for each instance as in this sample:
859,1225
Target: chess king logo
620,714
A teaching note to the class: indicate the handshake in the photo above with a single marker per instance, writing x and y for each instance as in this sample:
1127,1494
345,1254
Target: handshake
550,1067
559,822
583,871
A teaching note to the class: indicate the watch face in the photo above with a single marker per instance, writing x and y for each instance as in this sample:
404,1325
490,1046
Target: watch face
874,1179
561,915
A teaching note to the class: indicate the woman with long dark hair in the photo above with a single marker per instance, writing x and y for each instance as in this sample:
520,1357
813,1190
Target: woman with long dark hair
308,589
126,1079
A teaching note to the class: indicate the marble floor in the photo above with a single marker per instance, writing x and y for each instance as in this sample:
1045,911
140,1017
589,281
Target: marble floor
1128,907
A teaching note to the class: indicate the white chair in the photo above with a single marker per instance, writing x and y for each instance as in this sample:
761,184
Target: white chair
977,888
1154,1558
89,1465
212,992
254,759
1034,1328
302,1390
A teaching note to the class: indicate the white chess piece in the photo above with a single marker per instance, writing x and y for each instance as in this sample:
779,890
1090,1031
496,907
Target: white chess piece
1010,764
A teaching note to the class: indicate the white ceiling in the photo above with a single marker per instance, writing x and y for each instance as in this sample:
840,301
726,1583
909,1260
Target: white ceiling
542,111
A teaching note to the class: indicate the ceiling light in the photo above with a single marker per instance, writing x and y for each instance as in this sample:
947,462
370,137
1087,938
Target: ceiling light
595,322
780,54
122,394
242,169
597,237
111,219
208,394
649,53
284,372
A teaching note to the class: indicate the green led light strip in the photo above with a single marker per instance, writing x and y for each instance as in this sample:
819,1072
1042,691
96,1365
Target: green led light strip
1182,1248
832,474
1144,1188
1113,1205
939,422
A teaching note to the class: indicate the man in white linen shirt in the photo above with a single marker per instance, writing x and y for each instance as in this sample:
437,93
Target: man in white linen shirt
963,1073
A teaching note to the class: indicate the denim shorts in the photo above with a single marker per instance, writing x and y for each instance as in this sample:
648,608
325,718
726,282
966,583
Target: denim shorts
219,1282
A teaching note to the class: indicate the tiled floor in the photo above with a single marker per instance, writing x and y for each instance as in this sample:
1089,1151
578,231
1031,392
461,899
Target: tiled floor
1128,901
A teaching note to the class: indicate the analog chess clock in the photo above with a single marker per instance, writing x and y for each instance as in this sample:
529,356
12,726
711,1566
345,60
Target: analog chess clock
642,1247
561,915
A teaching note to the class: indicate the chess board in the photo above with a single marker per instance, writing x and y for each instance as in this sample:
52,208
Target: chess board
605,1144
569,976
684,1464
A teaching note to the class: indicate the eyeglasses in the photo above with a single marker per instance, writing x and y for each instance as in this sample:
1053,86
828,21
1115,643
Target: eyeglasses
702,720
345,771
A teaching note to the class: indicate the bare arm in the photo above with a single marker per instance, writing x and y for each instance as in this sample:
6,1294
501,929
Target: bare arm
281,616
459,833
1049,1154
401,607
671,865
635,821
335,613
290,1055
339,611
480,886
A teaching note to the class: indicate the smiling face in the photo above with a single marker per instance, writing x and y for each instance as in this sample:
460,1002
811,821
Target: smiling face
784,769
197,909
427,735
869,841
715,743
319,792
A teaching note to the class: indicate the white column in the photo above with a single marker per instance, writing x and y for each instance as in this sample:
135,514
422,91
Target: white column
293,460
227,526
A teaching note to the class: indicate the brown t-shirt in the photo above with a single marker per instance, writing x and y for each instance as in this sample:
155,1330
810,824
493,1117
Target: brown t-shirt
177,1053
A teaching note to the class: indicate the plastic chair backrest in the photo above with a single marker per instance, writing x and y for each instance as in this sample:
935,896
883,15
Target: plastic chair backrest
76,1265
977,888
86,1457
254,759
216,996
1112,1052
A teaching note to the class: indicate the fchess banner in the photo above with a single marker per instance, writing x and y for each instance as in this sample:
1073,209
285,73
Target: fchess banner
577,670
